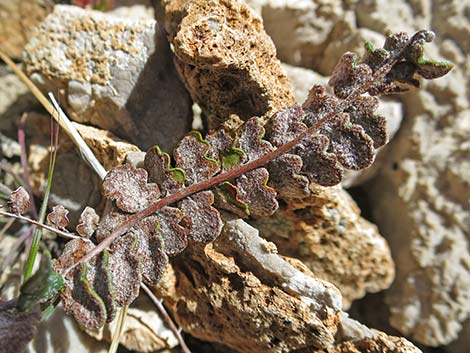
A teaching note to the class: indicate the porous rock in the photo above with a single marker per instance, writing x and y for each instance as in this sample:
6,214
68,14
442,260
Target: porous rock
325,231
451,19
225,57
239,292
399,15
420,202
303,80
116,73
381,343
17,22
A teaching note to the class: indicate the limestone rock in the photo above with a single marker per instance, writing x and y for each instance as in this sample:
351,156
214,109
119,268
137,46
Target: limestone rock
256,5
402,15
379,344
302,80
315,33
420,202
225,57
116,74
451,19
326,232
353,337
239,292
305,30
133,10
17,22
463,342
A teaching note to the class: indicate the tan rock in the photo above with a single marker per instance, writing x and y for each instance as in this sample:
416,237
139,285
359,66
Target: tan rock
276,306
17,22
326,232
463,342
302,80
382,343
15,99
353,337
315,33
225,57
240,293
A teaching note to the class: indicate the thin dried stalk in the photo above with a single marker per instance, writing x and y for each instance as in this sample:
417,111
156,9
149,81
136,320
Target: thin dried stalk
158,303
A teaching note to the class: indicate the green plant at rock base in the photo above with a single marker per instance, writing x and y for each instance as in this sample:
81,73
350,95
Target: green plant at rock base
156,211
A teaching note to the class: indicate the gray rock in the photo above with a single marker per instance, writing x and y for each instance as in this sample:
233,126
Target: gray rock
305,30
302,80
398,15
420,202
116,73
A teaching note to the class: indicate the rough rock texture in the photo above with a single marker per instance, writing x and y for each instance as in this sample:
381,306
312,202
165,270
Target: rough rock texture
17,21
216,292
305,28
302,80
240,292
226,294
379,344
221,46
314,33
463,342
420,201
116,73
398,15
326,232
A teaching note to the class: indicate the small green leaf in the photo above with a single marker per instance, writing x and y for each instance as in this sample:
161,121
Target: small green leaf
231,158
229,199
158,165
43,286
